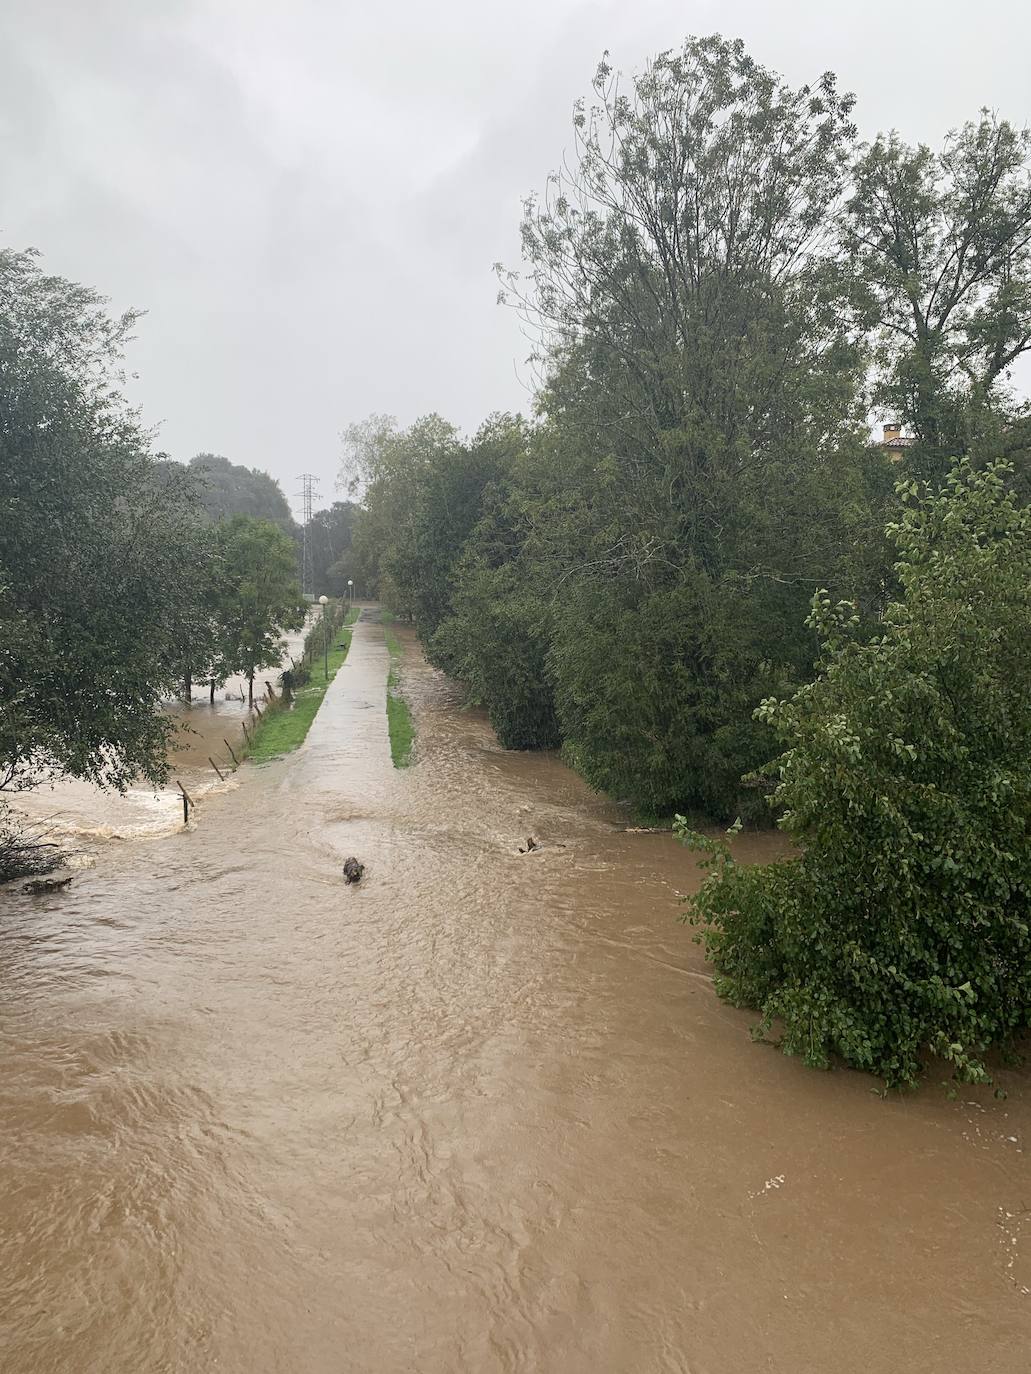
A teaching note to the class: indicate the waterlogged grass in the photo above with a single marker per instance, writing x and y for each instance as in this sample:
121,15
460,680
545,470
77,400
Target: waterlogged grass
400,725
399,716
284,728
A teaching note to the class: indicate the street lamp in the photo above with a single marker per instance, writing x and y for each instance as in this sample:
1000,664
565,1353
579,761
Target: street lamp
350,590
324,602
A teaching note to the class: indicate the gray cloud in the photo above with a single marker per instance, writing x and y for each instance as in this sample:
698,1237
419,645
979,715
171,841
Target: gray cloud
307,199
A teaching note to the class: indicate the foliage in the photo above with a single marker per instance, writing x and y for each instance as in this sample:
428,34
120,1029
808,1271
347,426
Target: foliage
260,596
496,634
904,926
95,601
700,393
940,249
389,466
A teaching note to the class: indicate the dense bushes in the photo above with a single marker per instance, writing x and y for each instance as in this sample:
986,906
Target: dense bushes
904,926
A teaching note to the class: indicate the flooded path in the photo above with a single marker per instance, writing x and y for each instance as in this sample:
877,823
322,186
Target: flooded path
482,1113
208,734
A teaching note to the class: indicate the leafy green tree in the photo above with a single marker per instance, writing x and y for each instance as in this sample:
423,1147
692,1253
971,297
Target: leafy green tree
702,417
261,595
94,604
388,467
904,925
201,574
495,633
940,248
201,562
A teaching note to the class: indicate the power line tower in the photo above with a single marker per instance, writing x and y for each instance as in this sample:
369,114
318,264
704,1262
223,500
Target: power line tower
309,490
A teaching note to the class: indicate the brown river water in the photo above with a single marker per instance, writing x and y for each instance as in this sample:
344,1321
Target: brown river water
481,1113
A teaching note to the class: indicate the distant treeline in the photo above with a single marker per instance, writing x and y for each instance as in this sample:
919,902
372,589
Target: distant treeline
223,489
726,288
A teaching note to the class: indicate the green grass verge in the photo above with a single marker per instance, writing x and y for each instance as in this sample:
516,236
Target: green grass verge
284,728
399,716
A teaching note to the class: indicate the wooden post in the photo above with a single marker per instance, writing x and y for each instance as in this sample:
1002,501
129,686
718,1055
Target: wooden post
245,734
221,775
230,748
187,801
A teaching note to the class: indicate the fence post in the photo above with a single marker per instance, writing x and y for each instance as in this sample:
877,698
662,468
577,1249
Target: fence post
230,748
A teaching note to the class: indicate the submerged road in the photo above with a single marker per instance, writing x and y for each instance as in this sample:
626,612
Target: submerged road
481,1113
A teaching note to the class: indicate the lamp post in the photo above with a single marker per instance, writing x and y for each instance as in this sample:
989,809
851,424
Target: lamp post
324,602
350,591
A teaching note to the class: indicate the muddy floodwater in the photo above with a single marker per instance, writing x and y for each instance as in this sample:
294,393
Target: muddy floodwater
481,1113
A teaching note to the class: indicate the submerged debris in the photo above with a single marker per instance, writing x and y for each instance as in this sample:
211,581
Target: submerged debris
531,845
45,885
353,870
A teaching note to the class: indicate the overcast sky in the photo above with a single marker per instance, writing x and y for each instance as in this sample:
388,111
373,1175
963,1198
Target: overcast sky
307,197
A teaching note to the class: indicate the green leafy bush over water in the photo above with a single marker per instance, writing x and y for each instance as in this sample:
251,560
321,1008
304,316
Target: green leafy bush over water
904,926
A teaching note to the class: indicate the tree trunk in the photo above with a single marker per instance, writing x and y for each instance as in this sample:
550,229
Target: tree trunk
250,688
212,686
187,685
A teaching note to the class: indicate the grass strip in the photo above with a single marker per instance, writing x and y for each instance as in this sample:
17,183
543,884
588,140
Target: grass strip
284,728
399,716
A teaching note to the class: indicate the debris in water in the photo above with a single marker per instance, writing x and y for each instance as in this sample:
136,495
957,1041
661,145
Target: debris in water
38,885
771,1183
353,870
531,845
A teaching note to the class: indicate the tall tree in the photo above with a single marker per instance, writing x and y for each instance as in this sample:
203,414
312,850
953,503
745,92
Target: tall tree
387,466
261,595
94,604
940,246
701,398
